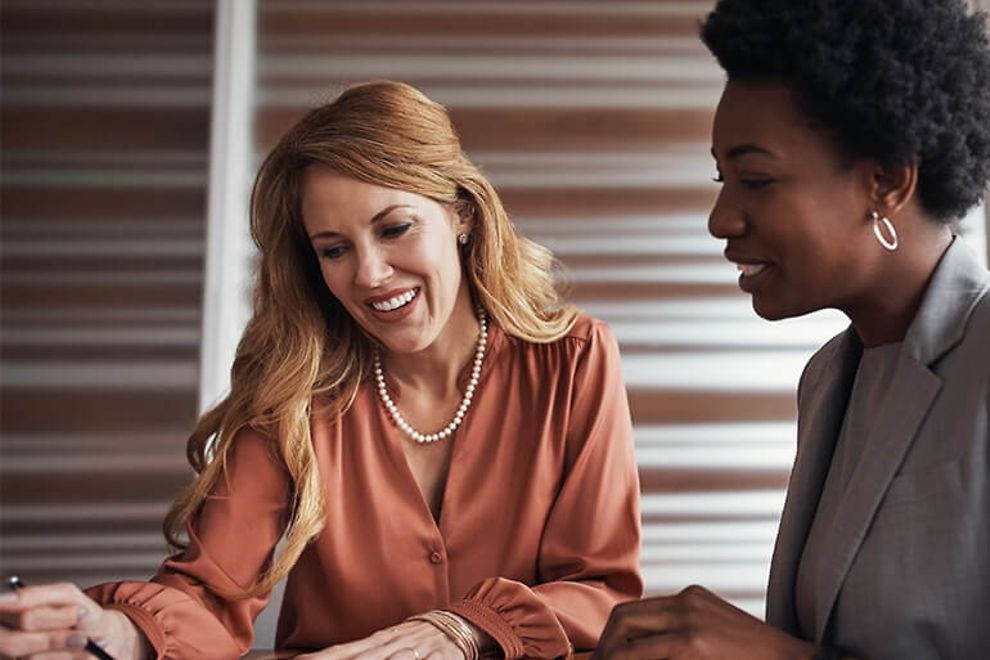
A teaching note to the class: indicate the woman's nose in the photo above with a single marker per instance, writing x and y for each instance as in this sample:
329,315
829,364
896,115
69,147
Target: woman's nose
373,268
725,220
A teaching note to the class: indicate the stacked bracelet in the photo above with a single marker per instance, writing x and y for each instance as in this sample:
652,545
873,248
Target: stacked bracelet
455,628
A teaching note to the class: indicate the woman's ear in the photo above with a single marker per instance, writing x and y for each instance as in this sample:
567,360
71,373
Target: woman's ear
892,187
464,208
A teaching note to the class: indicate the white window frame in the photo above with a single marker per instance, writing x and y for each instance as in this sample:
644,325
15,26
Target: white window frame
229,252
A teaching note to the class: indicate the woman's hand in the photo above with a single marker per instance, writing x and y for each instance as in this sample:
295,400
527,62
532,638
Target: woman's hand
410,640
694,624
58,619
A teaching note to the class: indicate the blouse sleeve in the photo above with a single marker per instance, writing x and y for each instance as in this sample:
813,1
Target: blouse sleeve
231,542
589,554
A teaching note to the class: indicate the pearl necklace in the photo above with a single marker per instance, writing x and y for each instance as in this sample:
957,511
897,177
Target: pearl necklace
400,421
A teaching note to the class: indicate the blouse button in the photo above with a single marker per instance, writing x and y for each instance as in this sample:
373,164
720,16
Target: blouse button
436,558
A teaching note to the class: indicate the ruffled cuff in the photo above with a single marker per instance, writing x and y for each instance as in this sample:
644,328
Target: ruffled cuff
158,611
516,618
108,594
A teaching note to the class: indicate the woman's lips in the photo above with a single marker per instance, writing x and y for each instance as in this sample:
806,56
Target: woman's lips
751,275
396,306
395,302
749,270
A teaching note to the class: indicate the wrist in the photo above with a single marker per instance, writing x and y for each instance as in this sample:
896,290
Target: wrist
133,642
487,646
456,629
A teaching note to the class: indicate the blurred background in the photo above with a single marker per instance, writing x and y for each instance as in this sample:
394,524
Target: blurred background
130,135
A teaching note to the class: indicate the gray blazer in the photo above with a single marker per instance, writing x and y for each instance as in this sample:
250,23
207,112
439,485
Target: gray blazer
910,552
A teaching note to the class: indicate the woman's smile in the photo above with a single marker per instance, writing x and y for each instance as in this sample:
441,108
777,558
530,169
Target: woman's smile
394,305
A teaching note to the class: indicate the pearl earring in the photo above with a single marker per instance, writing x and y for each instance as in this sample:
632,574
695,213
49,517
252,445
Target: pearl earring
462,238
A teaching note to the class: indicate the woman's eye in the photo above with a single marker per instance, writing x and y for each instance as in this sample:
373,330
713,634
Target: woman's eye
756,184
396,230
334,252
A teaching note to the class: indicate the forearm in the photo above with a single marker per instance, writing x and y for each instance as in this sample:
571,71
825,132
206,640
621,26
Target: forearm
133,643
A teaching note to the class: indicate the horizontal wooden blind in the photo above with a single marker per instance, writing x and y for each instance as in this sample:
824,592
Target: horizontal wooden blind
105,131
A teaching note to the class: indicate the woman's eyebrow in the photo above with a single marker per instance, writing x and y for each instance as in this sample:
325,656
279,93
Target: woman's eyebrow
375,218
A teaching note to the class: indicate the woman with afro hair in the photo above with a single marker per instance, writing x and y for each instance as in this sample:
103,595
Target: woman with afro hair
850,136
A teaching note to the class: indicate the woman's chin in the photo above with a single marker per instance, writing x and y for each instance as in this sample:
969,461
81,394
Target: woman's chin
771,308
775,309
405,343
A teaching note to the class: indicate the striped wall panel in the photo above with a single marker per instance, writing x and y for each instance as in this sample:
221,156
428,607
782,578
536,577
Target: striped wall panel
105,120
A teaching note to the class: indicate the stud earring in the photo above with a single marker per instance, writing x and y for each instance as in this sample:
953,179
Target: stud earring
462,238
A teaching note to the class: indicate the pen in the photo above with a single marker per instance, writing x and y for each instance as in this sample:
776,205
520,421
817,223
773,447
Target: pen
92,647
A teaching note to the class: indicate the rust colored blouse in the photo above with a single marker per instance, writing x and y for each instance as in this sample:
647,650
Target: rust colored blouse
537,540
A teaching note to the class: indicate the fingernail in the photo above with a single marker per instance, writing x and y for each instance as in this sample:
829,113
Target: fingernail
8,597
82,612
76,642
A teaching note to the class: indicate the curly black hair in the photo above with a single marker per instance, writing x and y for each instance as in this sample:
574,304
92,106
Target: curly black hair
901,81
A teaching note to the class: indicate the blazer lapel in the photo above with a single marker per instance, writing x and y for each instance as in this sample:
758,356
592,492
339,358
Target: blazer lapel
910,397
953,292
822,403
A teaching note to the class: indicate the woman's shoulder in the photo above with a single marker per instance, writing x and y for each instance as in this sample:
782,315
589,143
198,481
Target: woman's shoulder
588,341
583,330
972,352
589,328
978,328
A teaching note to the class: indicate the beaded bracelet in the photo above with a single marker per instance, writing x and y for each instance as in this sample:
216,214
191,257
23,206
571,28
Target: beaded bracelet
454,628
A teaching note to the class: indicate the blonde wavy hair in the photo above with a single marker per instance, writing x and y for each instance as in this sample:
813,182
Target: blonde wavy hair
301,350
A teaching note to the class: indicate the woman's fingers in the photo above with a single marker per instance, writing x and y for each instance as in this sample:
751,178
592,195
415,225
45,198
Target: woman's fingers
345,651
49,621
16,643
50,617
59,593
348,650
412,640
405,654
636,619
651,647
53,606
436,655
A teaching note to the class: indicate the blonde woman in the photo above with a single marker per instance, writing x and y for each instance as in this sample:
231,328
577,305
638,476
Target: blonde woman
442,445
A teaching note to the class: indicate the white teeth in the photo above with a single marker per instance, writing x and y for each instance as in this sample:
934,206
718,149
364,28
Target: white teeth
396,302
748,270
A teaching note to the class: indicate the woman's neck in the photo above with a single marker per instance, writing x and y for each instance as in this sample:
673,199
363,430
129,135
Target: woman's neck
434,371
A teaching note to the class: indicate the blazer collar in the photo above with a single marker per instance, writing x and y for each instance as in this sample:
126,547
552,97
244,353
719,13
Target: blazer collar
953,292
955,289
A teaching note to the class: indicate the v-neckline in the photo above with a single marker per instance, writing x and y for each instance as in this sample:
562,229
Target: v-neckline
394,437
442,477
395,440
